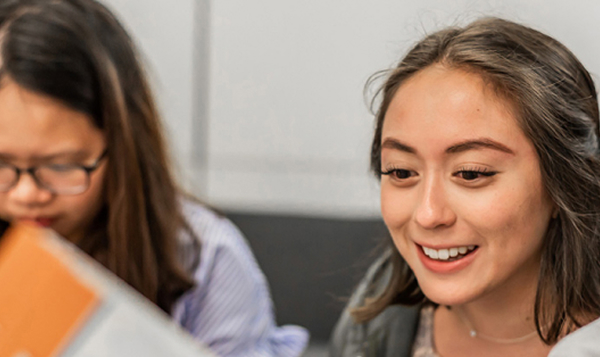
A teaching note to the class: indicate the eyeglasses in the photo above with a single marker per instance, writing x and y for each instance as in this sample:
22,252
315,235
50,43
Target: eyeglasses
69,179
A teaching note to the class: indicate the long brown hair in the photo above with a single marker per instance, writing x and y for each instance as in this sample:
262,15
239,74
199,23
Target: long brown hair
557,109
77,52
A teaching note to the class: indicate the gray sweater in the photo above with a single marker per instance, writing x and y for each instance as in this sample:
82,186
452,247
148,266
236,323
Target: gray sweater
390,334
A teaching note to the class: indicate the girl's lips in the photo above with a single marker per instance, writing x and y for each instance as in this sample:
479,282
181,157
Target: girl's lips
44,222
446,266
39,221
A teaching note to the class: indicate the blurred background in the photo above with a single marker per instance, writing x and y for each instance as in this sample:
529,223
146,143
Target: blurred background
265,109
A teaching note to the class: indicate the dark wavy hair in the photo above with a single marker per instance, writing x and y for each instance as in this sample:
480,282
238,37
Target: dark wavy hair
557,109
77,52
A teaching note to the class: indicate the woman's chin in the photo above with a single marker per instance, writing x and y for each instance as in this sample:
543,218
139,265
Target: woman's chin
448,295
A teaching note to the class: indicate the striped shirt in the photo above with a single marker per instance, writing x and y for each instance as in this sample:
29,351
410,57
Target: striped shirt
230,308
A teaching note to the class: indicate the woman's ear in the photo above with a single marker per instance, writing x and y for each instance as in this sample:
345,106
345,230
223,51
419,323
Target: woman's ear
555,212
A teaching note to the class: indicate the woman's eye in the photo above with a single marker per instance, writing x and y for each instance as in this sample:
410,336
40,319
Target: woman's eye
471,175
400,174
61,168
53,167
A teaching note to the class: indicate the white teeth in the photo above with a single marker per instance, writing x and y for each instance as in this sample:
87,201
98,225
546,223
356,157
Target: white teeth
445,254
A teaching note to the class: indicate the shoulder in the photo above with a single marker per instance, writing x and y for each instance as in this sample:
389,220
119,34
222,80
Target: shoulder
391,333
581,343
203,221
229,309
219,240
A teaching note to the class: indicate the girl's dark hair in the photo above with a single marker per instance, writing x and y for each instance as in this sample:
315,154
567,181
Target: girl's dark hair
77,52
557,108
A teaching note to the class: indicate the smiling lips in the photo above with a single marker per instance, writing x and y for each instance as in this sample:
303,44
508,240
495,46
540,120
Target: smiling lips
448,254
447,260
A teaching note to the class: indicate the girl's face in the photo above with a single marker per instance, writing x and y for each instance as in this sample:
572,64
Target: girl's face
38,130
462,192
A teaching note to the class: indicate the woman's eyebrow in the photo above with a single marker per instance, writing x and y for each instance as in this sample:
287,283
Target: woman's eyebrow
390,143
478,144
62,154
48,157
474,144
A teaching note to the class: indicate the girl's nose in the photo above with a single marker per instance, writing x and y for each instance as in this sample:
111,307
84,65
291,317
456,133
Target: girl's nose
28,192
433,209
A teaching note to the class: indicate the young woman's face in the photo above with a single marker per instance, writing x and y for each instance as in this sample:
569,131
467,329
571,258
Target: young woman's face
38,130
462,192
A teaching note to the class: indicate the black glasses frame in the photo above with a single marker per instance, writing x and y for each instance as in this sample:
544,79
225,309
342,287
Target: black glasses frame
32,171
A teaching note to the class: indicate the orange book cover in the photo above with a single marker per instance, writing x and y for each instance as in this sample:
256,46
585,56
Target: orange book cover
42,304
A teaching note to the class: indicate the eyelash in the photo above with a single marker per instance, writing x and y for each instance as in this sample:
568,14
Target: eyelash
463,170
393,172
477,171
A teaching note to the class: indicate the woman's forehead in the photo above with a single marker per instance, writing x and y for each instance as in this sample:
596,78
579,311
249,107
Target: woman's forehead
445,107
40,125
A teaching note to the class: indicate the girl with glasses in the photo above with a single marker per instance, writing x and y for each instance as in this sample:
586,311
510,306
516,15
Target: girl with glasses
82,152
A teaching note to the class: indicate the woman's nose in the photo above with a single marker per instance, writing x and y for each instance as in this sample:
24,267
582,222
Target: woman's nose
27,191
433,209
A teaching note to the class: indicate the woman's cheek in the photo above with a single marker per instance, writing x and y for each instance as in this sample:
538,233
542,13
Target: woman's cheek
486,209
396,208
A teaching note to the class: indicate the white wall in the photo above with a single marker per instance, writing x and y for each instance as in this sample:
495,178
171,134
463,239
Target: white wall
289,131
282,122
165,37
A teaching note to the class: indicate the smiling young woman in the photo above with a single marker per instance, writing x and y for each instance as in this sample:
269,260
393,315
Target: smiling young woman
486,147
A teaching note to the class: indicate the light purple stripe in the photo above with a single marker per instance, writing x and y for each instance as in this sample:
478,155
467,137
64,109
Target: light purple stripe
230,309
